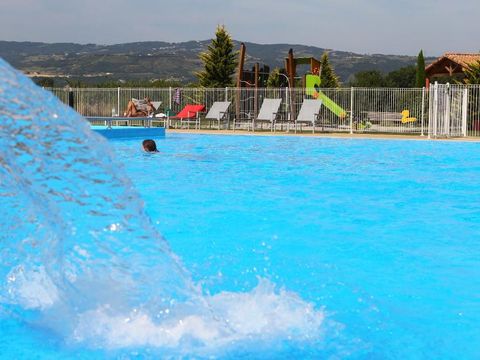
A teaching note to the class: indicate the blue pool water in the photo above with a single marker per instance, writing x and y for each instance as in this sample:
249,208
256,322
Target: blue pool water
381,235
272,247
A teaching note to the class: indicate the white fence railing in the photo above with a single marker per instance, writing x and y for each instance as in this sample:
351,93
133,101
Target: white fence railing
455,109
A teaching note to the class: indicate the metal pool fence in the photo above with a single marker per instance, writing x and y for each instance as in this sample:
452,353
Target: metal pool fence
440,111
473,110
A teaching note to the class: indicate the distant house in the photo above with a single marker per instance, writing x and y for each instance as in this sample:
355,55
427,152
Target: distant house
450,65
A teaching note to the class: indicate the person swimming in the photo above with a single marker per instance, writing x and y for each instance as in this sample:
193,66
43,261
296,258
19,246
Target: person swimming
149,145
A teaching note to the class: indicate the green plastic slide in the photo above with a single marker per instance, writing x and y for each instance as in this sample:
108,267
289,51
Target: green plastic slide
331,105
313,89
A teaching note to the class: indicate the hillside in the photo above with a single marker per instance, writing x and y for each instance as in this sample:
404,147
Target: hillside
168,61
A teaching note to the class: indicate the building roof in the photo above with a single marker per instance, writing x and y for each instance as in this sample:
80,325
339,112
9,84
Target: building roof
451,63
463,59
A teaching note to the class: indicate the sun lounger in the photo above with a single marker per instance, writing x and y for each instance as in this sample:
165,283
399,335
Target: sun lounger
156,105
268,112
190,113
309,112
218,111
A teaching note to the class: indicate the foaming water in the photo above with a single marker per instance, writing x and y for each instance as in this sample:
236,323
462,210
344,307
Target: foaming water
81,263
263,314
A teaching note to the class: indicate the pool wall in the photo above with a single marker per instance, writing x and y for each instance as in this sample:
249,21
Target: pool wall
123,132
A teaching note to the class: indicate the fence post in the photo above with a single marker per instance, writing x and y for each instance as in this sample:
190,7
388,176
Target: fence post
351,109
118,101
447,122
430,110
435,109
292,107
226,93
71,99
423,111
464,111
287,99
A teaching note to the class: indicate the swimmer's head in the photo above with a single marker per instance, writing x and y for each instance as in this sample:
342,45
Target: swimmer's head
149,146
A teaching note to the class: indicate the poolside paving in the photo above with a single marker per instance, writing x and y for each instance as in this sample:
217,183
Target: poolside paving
325,135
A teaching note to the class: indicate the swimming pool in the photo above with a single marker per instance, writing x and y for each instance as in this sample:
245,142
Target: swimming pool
383,235
276,247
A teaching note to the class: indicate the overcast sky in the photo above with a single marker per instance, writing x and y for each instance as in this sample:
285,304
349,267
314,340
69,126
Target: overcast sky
364,26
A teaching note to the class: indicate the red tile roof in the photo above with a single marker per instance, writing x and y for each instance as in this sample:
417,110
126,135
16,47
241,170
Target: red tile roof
462,59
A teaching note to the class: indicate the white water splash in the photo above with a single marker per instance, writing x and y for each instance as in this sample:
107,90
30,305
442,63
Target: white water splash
263,314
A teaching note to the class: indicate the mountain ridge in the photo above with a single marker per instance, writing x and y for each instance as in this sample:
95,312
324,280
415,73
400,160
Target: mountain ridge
170,60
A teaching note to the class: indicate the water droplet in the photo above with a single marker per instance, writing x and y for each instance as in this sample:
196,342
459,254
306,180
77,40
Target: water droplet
114,227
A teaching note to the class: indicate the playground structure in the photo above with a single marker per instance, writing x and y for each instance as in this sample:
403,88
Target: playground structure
257,77
311,82
250,79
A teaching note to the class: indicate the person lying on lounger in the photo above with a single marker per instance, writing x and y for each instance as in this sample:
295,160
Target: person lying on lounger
136,108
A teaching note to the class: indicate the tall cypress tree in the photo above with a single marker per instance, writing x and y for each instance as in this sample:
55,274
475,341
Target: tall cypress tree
420,79
220,61
328,77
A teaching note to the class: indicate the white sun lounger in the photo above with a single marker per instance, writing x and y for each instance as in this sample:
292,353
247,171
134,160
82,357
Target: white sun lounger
156,105
268,112
309,112
218,111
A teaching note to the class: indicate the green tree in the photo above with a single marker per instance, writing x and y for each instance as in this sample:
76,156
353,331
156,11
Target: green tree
402,78
328,77
44,82
370,78
276,78
220,61
472,73
420,76
472,76
76,83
